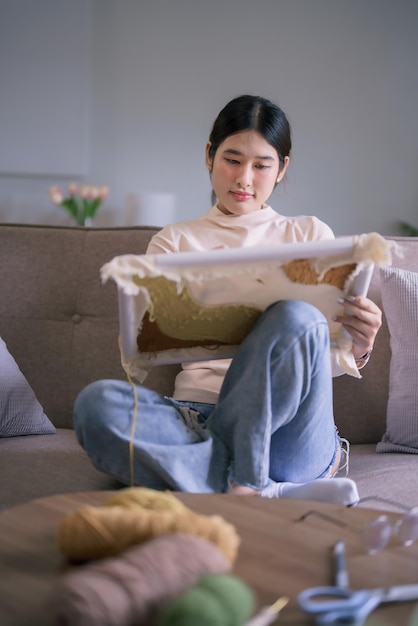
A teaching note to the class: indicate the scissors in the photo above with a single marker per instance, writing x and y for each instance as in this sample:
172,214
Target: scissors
338,604
335,605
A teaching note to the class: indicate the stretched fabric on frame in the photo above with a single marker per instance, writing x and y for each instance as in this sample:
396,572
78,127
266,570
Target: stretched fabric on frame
193,306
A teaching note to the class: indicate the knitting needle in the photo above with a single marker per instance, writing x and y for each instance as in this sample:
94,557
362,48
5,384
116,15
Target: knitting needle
268,615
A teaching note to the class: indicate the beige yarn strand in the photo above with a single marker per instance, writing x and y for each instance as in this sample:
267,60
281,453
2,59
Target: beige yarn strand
134,420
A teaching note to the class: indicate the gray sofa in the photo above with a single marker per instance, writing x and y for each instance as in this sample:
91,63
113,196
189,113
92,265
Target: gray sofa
61,325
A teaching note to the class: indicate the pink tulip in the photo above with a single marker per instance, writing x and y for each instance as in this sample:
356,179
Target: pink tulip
94,192
73,189
103,192
56,195
85,191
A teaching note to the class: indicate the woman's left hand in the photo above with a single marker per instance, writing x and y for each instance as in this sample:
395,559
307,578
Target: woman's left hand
362,318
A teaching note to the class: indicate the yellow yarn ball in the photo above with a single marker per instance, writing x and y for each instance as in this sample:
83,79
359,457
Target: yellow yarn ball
98,532
144,498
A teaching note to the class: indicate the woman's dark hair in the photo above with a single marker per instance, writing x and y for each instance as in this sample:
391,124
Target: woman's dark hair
252,113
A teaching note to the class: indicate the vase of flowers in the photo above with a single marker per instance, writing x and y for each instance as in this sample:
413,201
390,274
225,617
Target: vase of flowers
82,201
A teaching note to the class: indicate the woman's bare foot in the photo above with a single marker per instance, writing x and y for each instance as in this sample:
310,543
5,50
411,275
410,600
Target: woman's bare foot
241,490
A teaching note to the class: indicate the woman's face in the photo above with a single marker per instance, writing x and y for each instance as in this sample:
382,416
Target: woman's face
244,172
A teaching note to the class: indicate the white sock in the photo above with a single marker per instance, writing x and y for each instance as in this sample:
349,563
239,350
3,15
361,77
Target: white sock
336,490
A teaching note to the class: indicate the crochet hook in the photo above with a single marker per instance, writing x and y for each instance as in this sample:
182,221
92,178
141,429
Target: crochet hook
268,615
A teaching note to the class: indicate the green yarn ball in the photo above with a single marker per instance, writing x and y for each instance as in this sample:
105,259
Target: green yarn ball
218,600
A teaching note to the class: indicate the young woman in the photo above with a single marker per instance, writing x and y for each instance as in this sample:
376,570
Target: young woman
261,424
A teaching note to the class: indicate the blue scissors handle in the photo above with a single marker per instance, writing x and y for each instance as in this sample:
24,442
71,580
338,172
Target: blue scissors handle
320,599
334,605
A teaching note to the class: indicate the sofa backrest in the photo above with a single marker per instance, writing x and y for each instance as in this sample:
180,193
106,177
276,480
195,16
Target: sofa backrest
360,404
61,324
57,319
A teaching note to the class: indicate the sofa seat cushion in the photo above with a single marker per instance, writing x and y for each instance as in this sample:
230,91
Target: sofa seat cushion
390,475
42,465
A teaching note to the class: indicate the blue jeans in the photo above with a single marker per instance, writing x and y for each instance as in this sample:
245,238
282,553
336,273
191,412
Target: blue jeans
273,420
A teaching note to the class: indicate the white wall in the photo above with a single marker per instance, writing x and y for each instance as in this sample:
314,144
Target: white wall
44,91
343,70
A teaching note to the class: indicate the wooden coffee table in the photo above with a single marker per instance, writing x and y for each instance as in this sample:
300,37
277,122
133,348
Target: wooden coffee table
279,554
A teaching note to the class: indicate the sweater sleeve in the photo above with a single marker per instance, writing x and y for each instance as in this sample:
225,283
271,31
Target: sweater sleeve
163,242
